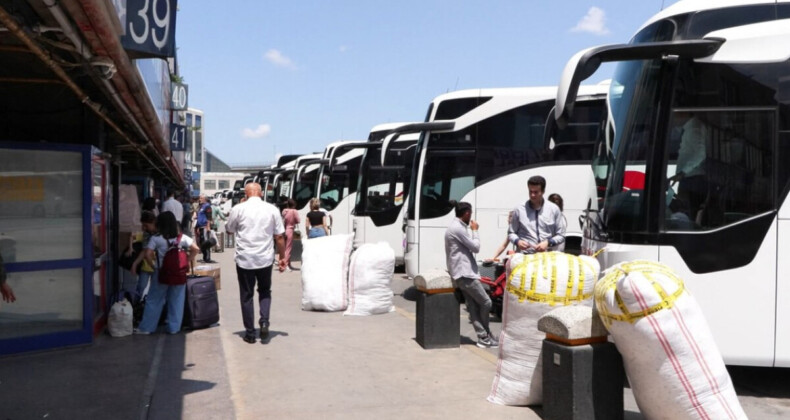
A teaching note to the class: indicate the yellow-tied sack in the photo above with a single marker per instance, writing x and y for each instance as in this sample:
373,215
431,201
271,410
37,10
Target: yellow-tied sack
672,362
536,283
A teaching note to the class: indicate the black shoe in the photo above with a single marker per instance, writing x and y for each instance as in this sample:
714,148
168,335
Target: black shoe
211,262
250,338
264,330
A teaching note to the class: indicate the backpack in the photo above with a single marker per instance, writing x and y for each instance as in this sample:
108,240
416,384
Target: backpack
175,264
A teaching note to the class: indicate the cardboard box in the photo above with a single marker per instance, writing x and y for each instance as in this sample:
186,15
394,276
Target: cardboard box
212,270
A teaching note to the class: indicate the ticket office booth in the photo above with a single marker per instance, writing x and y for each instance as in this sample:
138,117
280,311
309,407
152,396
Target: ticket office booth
54,217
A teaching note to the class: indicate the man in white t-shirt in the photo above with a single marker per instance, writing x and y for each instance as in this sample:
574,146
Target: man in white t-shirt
172,205
257,226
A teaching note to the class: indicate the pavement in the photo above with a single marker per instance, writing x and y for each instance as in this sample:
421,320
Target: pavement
314,365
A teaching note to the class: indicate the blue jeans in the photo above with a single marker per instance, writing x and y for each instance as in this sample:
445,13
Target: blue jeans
143,277
316,232
158,295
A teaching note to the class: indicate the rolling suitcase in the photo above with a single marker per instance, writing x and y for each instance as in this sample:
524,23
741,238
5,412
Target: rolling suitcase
201,305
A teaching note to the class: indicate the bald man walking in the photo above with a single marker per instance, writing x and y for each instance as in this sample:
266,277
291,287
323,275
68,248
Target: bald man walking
257,226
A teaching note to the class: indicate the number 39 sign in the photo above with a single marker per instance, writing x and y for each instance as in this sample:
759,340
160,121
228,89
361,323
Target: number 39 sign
150,28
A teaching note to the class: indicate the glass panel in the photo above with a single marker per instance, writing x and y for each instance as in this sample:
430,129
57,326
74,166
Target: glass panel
385,189
338,184
223,184
445,178
98,209
577,140
40,205
719,168
511,140
633,101
46,302
210,184
454,108
721,146
305,188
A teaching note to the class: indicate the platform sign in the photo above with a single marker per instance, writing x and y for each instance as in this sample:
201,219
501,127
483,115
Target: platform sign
179,93
178,137
149,28
188,175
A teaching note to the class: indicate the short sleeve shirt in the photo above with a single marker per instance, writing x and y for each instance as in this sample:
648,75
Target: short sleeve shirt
160,245
254,224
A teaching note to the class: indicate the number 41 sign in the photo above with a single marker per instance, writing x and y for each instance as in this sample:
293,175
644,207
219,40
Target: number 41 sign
178,138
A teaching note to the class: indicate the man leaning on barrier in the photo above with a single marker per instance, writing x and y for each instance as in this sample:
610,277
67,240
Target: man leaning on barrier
461,240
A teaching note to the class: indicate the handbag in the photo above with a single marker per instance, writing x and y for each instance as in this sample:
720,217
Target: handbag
297,232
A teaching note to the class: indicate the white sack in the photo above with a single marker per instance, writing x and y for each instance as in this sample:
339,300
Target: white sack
536,283
120,319
325,272
673,365
369,277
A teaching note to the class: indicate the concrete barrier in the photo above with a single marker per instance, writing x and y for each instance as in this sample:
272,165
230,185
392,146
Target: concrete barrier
583,373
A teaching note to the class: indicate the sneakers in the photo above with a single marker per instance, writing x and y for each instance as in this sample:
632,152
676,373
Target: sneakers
264,330
137,331
487,342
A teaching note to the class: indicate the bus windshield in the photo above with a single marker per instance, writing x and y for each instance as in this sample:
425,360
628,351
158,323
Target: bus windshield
383,190
339,183
305,188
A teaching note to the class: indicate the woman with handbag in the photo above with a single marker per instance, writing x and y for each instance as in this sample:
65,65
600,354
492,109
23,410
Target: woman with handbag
291,222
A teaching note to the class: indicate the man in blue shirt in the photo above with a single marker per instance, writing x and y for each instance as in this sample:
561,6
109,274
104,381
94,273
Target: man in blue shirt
537,225
461,241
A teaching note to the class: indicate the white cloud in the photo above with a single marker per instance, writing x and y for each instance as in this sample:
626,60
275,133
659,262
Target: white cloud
260,132
278,59
344,48
593,22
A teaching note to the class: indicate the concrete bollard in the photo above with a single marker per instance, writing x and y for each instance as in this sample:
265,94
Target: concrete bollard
583,373
438,321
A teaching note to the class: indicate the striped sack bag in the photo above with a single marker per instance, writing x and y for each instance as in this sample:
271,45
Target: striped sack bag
673,365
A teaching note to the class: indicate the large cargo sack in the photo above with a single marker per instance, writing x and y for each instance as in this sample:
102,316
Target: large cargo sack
369,278
325,273
201,306
536,283
672,362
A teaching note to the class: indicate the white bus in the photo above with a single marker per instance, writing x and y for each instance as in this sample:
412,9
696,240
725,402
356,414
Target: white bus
337,186
384,190
481,146
297,180
694,163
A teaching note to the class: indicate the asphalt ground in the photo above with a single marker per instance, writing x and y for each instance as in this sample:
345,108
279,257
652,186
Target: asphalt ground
314,365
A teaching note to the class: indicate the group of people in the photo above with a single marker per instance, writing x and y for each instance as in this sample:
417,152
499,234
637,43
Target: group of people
258,227
538,225
172,225
317,224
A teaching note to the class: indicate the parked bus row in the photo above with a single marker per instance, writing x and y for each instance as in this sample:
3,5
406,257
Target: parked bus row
621,153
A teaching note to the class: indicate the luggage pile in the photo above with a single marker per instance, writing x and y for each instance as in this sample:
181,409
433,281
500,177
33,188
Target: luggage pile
334,279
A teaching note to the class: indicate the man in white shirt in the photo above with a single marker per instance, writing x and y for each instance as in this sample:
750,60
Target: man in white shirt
173,206
257,226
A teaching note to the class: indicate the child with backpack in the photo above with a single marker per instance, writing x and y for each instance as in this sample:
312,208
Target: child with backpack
173,253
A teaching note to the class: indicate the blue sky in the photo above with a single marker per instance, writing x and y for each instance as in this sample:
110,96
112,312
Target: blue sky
291,76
